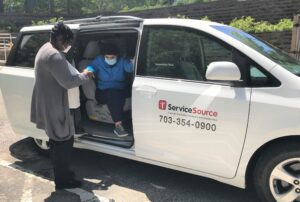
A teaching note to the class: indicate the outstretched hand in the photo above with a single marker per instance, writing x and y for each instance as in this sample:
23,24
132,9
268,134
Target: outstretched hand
88,74
132,60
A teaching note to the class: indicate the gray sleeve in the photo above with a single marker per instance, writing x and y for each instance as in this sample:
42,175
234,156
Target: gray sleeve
60,71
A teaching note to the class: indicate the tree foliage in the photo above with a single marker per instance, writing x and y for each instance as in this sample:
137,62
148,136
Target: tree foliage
46,22
249,24
86,6
183,2
81,7
1,6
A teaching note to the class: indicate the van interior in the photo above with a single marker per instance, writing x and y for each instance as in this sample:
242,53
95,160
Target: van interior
95,118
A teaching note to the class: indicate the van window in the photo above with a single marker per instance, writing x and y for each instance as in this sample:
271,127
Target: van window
273,53
28,47
180,53
261,78
215,51
171,52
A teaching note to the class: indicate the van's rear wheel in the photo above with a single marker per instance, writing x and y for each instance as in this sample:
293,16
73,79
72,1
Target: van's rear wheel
42,146
277,174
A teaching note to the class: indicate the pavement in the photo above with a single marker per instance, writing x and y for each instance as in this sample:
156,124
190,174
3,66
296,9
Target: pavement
26,175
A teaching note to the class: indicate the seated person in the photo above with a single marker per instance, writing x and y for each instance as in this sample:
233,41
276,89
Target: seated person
110,71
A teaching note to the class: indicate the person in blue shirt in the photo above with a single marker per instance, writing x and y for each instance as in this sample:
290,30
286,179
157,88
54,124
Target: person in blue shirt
111,70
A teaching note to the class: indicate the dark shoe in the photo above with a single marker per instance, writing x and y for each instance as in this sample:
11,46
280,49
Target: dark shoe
72,174
69,185
120,131
79,133
79,130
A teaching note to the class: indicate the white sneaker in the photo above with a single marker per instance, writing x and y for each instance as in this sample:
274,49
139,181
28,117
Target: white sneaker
120,131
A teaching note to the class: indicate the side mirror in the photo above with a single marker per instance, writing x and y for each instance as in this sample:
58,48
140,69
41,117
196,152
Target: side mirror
223,71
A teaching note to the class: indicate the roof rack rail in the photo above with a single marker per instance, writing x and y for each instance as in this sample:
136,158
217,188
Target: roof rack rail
117,18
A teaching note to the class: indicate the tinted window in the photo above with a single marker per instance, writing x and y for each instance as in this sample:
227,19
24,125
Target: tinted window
182,53
261,78
28,48
179,53
215,51
172,53
267,50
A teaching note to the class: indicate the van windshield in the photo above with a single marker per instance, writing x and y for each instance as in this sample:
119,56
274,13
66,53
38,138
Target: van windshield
267,50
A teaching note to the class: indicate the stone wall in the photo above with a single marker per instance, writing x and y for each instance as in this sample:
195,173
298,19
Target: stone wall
226,10
219,11
281,40
26,19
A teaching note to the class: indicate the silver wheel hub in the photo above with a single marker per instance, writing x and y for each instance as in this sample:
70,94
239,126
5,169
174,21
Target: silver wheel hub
43,144
285,181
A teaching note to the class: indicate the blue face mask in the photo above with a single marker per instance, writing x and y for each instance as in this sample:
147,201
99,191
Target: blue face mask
111,62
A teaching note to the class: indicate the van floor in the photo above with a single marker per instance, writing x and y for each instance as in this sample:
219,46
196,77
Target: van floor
103,133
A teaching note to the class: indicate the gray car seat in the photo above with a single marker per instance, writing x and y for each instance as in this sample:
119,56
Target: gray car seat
95,111
190,71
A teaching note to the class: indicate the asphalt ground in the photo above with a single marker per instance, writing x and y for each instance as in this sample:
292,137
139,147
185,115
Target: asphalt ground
26,175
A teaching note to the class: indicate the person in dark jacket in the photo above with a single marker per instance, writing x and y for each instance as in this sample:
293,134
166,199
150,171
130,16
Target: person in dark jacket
111,70
49,104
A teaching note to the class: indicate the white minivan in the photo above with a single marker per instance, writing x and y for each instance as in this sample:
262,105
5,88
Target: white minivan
205,98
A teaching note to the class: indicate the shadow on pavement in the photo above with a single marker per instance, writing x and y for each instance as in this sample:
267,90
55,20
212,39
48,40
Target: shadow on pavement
40,165
62,196
100,172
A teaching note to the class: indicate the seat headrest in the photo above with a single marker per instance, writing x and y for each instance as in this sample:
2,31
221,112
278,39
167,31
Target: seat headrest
91,50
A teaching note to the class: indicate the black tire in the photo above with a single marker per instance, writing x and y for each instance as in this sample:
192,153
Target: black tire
276,156
40,150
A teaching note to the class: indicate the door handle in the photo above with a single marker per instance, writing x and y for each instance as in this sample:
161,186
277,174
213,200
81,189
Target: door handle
148,91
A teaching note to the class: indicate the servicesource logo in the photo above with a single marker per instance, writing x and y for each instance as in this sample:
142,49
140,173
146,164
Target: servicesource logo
164,105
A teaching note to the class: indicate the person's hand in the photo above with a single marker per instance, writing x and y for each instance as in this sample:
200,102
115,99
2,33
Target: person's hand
88,74
132,60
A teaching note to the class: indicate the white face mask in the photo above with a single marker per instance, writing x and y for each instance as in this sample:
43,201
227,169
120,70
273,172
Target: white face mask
111,62
67,49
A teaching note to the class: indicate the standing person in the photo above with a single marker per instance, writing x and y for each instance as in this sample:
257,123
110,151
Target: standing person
111,72
49,104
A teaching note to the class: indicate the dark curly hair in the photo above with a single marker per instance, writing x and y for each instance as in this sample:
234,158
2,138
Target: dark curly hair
60,31
110,49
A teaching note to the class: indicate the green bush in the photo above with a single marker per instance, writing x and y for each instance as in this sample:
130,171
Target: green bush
141,8
205,18
285,24
249,24
185,2
182,16
8,26
46,22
